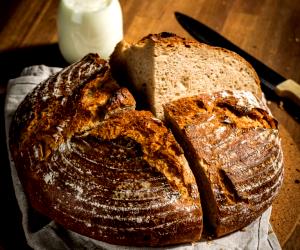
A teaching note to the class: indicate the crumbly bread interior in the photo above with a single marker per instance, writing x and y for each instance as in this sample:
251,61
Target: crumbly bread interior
166,67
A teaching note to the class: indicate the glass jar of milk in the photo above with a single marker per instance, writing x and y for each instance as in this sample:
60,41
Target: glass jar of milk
86,26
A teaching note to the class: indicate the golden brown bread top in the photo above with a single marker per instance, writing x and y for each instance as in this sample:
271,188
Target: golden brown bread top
240,109
104,183
70,101
235,143
159,147
92,163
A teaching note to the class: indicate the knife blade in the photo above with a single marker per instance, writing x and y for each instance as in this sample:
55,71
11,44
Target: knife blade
271,81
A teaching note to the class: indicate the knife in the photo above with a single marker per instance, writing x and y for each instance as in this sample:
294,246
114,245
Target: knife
286,90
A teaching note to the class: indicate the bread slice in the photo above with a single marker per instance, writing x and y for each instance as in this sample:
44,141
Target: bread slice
165,67
90,162
234,150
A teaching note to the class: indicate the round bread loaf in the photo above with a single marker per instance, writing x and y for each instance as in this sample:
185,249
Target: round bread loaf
93,164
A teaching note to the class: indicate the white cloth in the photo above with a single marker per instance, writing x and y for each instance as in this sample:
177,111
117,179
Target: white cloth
258,235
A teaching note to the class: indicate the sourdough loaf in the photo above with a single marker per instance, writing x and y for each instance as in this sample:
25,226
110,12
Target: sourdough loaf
165,67
93,164
233,147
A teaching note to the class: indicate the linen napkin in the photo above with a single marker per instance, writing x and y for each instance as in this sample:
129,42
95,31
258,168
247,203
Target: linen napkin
51,236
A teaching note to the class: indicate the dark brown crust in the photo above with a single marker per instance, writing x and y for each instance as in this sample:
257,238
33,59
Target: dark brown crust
93,164
49,109
234,150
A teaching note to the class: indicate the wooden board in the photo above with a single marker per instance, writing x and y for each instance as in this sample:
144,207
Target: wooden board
267,29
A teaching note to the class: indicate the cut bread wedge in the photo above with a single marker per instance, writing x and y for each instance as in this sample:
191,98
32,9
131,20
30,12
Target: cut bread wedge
165,67
233,147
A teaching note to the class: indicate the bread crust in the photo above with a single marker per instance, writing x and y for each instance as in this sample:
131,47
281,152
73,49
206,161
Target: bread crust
93,164
234,150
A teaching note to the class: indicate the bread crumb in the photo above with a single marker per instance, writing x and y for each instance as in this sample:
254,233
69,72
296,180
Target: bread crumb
280,105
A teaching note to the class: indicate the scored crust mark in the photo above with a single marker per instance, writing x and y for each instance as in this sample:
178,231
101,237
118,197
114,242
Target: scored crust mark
49,120
165,67
233,147
229,187
118,189
158,143
98,167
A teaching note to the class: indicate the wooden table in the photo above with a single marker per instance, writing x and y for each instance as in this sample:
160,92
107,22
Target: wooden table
267,29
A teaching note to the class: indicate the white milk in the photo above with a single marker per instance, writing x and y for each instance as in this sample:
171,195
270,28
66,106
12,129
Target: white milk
86,26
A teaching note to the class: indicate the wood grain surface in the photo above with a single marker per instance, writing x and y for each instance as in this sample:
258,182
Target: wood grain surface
267,29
